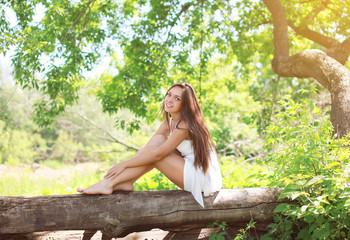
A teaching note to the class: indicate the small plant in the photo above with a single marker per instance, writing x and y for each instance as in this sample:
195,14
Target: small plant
313,168
221,235
245,232
243,235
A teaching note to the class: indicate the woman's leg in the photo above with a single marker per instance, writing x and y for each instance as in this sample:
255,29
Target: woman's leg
140,171
172,166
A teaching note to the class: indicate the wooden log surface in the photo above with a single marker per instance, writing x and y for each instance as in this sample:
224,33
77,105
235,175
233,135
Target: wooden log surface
121,213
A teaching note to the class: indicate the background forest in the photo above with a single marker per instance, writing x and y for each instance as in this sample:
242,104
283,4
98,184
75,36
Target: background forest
66,116
84,134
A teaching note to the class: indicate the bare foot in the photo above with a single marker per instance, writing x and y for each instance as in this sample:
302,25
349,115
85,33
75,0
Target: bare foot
104,186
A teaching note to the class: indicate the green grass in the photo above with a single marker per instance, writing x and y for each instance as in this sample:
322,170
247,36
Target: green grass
44,180
53,177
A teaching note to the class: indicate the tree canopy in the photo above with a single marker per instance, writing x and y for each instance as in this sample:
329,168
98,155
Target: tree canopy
164,42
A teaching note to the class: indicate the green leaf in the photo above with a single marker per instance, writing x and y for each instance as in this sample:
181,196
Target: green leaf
221,236
312,105
309,219
314,180
332,164
304,233
322,233
294,195
303,208
213,236
281,208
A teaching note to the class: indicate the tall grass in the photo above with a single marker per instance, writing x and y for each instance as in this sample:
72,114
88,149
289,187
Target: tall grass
53,177
45,180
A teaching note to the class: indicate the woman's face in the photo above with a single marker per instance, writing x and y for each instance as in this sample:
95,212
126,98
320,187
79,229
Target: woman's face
173,100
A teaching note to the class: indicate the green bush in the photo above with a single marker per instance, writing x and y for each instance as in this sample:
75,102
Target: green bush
241,174
313,168
18,146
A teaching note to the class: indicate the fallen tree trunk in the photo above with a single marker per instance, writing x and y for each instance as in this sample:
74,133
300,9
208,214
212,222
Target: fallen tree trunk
124,212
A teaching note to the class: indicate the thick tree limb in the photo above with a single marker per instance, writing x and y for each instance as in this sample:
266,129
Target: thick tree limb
328,70
336,50
308,63
280,29
124,212
340,52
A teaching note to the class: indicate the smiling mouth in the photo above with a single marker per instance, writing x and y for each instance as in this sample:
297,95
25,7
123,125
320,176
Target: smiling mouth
168,105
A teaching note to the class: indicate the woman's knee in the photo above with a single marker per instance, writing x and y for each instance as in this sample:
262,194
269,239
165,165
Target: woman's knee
157,140
153,144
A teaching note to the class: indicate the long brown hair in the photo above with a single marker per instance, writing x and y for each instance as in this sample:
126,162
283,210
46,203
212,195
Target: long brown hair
192,114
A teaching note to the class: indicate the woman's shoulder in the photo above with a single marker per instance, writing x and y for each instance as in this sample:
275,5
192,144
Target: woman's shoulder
182,125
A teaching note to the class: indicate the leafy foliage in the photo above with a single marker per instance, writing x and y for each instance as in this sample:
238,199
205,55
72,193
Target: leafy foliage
313,167
56,41
18,146
244,233
221,235
66,40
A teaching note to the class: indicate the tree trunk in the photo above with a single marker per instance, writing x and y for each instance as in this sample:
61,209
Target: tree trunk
124,212
326,67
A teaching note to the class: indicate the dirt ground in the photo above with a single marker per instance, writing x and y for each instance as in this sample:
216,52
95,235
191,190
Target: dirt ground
154,234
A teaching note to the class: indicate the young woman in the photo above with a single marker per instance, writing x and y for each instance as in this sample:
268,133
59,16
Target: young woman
181,149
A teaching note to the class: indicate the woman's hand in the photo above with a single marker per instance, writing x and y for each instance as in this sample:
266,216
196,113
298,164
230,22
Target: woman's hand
116,170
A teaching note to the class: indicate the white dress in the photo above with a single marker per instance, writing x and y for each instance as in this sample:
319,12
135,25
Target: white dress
195,181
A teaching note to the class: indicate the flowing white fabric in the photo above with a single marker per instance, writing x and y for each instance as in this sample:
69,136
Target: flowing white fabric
195,181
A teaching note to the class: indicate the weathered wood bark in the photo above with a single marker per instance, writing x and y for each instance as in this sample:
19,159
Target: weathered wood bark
324,66
125,212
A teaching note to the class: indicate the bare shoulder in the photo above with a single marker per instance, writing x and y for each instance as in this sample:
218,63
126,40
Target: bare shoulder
182,125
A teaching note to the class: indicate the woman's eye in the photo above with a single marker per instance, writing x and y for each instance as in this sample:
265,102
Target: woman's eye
178,99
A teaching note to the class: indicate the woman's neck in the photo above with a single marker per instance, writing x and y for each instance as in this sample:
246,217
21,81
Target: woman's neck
175,117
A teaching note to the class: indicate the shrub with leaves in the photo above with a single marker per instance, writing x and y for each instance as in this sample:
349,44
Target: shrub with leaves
312,166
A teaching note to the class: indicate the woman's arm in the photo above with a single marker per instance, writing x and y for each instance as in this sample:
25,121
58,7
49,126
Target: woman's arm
159,153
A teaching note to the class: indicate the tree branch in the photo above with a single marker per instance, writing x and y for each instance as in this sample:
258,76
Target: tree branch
315,12
107,132
280,29
316,37
336,50
340,52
